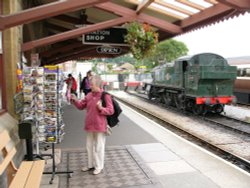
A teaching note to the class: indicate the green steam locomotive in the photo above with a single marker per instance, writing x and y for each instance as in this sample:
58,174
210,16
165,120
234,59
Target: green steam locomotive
200,83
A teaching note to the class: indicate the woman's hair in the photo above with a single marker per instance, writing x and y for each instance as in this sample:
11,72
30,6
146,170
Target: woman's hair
97,80
89,73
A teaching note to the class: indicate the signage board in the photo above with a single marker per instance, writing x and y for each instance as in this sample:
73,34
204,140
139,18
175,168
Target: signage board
108,50
112,36
35,60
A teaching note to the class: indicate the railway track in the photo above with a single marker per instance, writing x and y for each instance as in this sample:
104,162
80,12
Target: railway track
227,122
241,130
230,123
247,106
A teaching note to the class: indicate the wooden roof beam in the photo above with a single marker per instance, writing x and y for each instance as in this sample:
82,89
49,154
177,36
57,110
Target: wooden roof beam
237,4
67,18
70,57
163,25
173,7
57,50
65,54
209,13
116,9
56,27
211,1
74,33
191,4
45,11
143,5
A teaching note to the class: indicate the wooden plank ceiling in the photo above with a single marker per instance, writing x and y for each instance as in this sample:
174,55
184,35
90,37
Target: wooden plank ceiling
51,28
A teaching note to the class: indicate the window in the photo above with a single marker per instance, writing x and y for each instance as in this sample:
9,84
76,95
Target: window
2,85
1,74
247,72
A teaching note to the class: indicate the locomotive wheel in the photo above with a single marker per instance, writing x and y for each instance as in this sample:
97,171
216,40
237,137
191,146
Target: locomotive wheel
218,108
190,105
177,103
166,100
150,96
198,109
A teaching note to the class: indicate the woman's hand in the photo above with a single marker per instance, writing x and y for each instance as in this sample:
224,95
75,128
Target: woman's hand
99,105
73,98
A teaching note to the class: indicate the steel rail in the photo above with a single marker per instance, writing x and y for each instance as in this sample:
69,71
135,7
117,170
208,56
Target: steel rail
225,125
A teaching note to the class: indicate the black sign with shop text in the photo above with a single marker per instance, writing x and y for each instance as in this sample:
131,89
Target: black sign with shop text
114,36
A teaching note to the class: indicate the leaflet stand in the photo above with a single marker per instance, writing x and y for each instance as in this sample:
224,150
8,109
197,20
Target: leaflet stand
54,172
53,116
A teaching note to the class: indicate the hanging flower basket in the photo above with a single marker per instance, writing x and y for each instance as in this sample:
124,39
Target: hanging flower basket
142,39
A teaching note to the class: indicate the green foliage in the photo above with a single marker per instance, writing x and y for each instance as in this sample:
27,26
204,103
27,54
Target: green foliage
170,50
110,67
141,39
94,68
166,51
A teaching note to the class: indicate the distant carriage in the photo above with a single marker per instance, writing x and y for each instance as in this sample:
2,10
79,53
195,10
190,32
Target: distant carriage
242,83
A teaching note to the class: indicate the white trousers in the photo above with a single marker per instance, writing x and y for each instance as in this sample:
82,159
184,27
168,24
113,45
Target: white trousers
95,145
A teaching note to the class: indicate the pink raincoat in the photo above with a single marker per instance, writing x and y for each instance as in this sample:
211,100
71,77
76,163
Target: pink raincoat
95,120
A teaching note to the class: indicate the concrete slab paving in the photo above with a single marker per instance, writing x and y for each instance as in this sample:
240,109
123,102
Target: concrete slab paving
171,167
187,180
157,156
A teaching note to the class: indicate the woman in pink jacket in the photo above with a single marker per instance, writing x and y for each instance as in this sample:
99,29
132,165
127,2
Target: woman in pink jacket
95,123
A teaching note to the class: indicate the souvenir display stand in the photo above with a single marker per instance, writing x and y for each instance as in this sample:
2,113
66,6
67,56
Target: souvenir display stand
42,96
52,123
33,101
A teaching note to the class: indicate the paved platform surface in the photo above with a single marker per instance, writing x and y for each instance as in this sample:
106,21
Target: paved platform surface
142,154
122,169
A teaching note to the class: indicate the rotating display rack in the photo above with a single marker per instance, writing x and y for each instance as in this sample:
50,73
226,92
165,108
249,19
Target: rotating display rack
53,122
33,100
42,104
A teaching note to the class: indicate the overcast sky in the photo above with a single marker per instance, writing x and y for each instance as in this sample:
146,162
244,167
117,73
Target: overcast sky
230,38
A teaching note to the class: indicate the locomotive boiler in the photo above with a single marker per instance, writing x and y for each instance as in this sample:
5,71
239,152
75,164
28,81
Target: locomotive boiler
200,83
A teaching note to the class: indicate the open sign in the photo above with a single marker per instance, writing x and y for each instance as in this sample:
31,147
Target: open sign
108,50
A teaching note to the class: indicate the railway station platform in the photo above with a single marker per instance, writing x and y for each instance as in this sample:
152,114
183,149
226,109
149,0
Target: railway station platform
141,154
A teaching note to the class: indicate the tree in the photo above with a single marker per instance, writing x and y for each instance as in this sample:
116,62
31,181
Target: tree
170,50
110,67
166,51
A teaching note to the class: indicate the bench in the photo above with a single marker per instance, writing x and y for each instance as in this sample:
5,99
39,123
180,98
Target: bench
28,175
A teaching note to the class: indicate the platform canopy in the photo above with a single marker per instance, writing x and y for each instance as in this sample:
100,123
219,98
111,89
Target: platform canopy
54,29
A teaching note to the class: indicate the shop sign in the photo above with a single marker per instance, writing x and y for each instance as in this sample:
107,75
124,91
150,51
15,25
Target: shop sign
108,50
112,36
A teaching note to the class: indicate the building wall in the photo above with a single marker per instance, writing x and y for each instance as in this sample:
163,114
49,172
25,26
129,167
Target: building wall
12,39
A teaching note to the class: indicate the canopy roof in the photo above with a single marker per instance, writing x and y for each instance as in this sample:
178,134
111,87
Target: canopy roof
54,28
